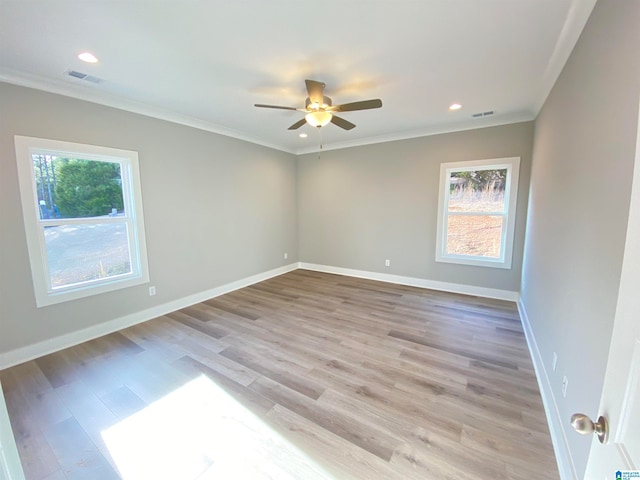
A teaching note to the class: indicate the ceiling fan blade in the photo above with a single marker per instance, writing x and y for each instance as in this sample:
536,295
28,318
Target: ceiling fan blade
342,123
350,107
297,125
315,90
260,105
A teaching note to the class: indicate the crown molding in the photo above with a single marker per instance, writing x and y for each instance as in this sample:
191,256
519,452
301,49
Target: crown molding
577,16
472,124
89,94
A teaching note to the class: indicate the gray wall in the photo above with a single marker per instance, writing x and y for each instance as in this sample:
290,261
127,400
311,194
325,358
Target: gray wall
359,206
216,210
580,190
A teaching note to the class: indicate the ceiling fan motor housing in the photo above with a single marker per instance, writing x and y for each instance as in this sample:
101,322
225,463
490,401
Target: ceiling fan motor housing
326,102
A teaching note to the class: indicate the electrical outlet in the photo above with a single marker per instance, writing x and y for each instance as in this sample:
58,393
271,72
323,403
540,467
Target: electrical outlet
286,255
565,383
555,361
387,263
152,291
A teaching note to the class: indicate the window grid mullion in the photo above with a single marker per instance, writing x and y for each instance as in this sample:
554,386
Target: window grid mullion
57,222
476,214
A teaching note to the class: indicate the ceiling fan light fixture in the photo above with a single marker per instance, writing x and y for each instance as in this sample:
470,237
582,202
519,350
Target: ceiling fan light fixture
318,119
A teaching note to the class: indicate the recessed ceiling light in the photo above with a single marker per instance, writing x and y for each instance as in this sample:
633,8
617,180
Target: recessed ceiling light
303,135
455,106
88,57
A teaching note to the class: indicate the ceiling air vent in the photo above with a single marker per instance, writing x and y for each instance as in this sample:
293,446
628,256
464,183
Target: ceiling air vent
84,76
483,114
92,79
73,73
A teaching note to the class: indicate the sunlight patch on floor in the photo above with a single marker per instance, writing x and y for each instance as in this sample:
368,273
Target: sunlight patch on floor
200,432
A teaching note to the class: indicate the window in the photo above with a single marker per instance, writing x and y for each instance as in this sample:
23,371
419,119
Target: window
476,212
82,211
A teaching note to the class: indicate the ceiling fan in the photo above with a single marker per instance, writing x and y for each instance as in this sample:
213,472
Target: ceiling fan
320,111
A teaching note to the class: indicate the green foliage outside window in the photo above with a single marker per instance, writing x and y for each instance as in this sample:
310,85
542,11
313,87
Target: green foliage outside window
88,188
76,188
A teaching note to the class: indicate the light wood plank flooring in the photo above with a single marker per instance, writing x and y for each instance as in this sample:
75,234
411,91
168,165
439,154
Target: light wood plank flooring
306,375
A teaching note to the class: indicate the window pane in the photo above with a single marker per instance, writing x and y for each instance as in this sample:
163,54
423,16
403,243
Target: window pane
477,190
476,235
82,253
76,188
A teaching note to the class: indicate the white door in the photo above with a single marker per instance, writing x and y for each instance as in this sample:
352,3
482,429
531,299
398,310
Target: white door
620,402
10,466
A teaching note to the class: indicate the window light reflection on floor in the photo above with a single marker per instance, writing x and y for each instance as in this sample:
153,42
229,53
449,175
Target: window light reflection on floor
200,432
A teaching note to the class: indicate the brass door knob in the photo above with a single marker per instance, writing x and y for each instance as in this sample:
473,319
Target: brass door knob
584,425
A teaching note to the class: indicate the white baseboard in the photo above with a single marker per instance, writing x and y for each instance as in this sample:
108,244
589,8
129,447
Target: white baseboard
564,459
29,352
416,282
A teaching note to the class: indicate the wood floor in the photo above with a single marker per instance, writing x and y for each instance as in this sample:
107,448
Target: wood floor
306,375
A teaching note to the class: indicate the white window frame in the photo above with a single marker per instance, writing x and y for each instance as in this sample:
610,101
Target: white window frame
512,165
45,295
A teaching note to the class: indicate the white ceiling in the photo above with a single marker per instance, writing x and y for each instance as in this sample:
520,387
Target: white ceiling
206,62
